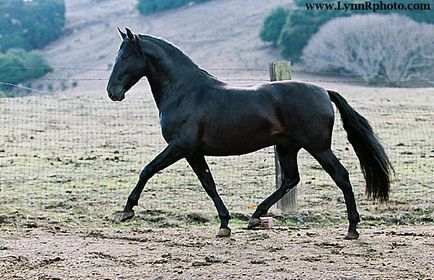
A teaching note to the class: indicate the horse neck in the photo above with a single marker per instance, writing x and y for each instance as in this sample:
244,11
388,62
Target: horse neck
170,81
172,75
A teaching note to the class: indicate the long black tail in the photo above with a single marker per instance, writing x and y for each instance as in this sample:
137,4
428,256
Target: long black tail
374,162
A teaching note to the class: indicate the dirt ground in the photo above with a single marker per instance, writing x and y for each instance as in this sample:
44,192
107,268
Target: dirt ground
150,253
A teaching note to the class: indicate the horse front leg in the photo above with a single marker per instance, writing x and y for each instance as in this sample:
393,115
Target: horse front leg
200,167
167,157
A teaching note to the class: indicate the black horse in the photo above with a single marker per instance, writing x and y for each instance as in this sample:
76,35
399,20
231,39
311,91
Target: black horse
200,116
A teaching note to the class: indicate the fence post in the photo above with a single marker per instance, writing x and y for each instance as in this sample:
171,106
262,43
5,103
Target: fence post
281,70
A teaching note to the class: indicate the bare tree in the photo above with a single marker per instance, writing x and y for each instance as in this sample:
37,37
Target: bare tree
389,49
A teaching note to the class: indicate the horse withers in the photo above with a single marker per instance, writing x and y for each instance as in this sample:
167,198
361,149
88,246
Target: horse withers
203,116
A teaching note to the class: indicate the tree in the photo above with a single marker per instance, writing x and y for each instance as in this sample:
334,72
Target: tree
27,25
147,7
391,49
273,23
17,65
30,24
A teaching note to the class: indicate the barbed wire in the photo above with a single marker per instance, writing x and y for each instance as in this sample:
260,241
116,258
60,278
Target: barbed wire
293,70
30,67
233,80
23,87
106,79
357,79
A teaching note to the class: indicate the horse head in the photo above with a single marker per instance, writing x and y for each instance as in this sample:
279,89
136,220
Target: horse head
130,66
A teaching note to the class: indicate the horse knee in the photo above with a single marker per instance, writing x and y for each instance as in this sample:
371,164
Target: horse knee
145,173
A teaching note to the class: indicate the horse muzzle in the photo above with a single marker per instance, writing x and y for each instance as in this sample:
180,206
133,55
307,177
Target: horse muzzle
116,94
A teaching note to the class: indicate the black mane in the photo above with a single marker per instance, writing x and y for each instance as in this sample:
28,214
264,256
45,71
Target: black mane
175,53
169,48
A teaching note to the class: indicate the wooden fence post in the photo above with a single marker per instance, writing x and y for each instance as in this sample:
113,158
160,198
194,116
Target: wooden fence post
281,70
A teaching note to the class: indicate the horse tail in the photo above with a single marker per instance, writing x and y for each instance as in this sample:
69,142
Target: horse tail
374,162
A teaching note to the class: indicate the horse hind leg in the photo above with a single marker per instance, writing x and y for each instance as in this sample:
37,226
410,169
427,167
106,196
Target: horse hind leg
288,163
340,176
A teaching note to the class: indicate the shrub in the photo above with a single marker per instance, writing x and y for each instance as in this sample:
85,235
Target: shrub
273,23
4,94
17,66
390,49
30,24
27,25
298,29
302,23
147,7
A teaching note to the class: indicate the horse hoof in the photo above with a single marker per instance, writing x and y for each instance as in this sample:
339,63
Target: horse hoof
352,235
253,222
224,232
126,216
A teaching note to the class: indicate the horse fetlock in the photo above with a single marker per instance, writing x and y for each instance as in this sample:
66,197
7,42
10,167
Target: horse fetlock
354,221
131,202
225,217
224,224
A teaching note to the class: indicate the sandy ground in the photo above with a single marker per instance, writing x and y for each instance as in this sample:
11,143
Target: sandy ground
149,253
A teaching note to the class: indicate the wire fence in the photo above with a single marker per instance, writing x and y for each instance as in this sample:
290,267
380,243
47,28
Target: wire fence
71,156
260,74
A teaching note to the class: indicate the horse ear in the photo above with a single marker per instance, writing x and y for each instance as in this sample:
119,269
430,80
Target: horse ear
122,34
129,34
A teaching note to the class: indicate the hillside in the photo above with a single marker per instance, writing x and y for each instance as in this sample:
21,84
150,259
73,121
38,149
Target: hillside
217,34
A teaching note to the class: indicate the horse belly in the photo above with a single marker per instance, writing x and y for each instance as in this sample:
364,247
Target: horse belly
240,138
233,150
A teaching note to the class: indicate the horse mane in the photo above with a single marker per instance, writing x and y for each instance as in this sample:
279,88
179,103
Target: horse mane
173,51
168,47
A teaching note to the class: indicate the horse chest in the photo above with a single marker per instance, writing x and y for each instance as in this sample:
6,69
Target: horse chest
171,126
